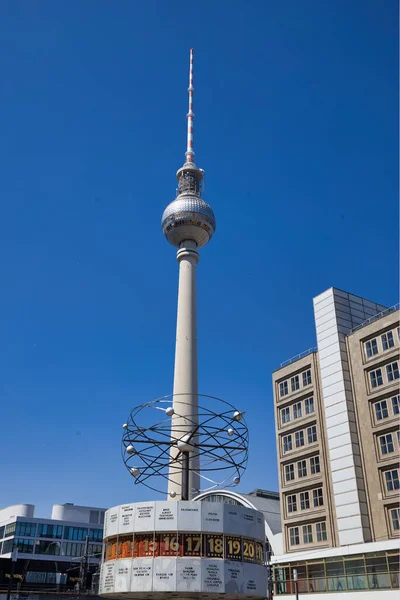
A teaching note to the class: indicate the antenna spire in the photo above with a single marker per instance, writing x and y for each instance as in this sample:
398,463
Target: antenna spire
190,116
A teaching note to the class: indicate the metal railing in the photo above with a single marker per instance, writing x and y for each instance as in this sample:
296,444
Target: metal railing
294,358
387,311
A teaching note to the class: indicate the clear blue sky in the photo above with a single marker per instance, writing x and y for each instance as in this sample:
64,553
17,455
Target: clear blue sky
296,127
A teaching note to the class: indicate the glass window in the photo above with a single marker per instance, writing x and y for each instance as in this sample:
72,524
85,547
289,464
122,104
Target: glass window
307,534
312,434
10,529
371,348
283,389
309,405
318,497
292,503
335,575
395,405
394,514
392,480
25,529
2,532
95,535
297,410
302,468
289,472
314,465
381,411
316,577
295,383
285,415
48,547
299,435
304,500
321,531
355,570
25,546
294,536
386,442
7,546
287,443
75,533
392,371
376,378
50,531
307,377
387,340
72,549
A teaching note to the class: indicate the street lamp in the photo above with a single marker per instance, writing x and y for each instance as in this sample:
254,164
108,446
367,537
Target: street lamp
296,589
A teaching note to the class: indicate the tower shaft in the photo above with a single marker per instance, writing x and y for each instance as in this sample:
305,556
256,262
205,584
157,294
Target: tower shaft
185,401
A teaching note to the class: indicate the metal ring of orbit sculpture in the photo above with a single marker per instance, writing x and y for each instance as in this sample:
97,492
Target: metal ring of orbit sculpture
221,442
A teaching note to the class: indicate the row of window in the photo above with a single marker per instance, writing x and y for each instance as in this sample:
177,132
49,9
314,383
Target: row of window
304,500
54,548
375,571
309,533
306,380
299,409
389,407
26,529
379,344
377,377
302,468
300,438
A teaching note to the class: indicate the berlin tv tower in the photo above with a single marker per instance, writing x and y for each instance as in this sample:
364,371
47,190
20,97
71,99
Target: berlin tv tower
188,223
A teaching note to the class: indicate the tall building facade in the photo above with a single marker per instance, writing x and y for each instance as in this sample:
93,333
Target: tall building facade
337,430
50,550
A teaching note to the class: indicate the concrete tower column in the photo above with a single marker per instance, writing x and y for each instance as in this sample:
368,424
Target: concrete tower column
185,401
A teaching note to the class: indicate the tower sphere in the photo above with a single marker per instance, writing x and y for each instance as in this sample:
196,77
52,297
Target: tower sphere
188,217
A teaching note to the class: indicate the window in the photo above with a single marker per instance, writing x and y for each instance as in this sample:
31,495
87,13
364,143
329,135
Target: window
307,378
96,535
10,529
307,534
292,503
386,442
25,529
304,500
314,465
294,536
321,531
392,480
381,411
312,434
289,472
297,410
50,531
75,533
376,378
309,405
394,513
283,389
25,546
72,549
295,383
299,435
46,547
371,347
285,415
1,532
302,468
395,405
387,340
392,371
318,497
287,443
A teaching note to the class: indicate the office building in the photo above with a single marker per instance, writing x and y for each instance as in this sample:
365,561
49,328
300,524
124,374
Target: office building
49,551
337,430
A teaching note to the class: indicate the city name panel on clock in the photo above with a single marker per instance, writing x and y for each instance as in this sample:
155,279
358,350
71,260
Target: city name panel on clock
183,547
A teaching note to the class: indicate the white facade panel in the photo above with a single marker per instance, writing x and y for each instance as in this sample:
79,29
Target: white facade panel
338,418
339,430
351,536
342,463
335,377
345,486
340,440
343,474
330,390
328,341
352,522
347,498
348,510
340,451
